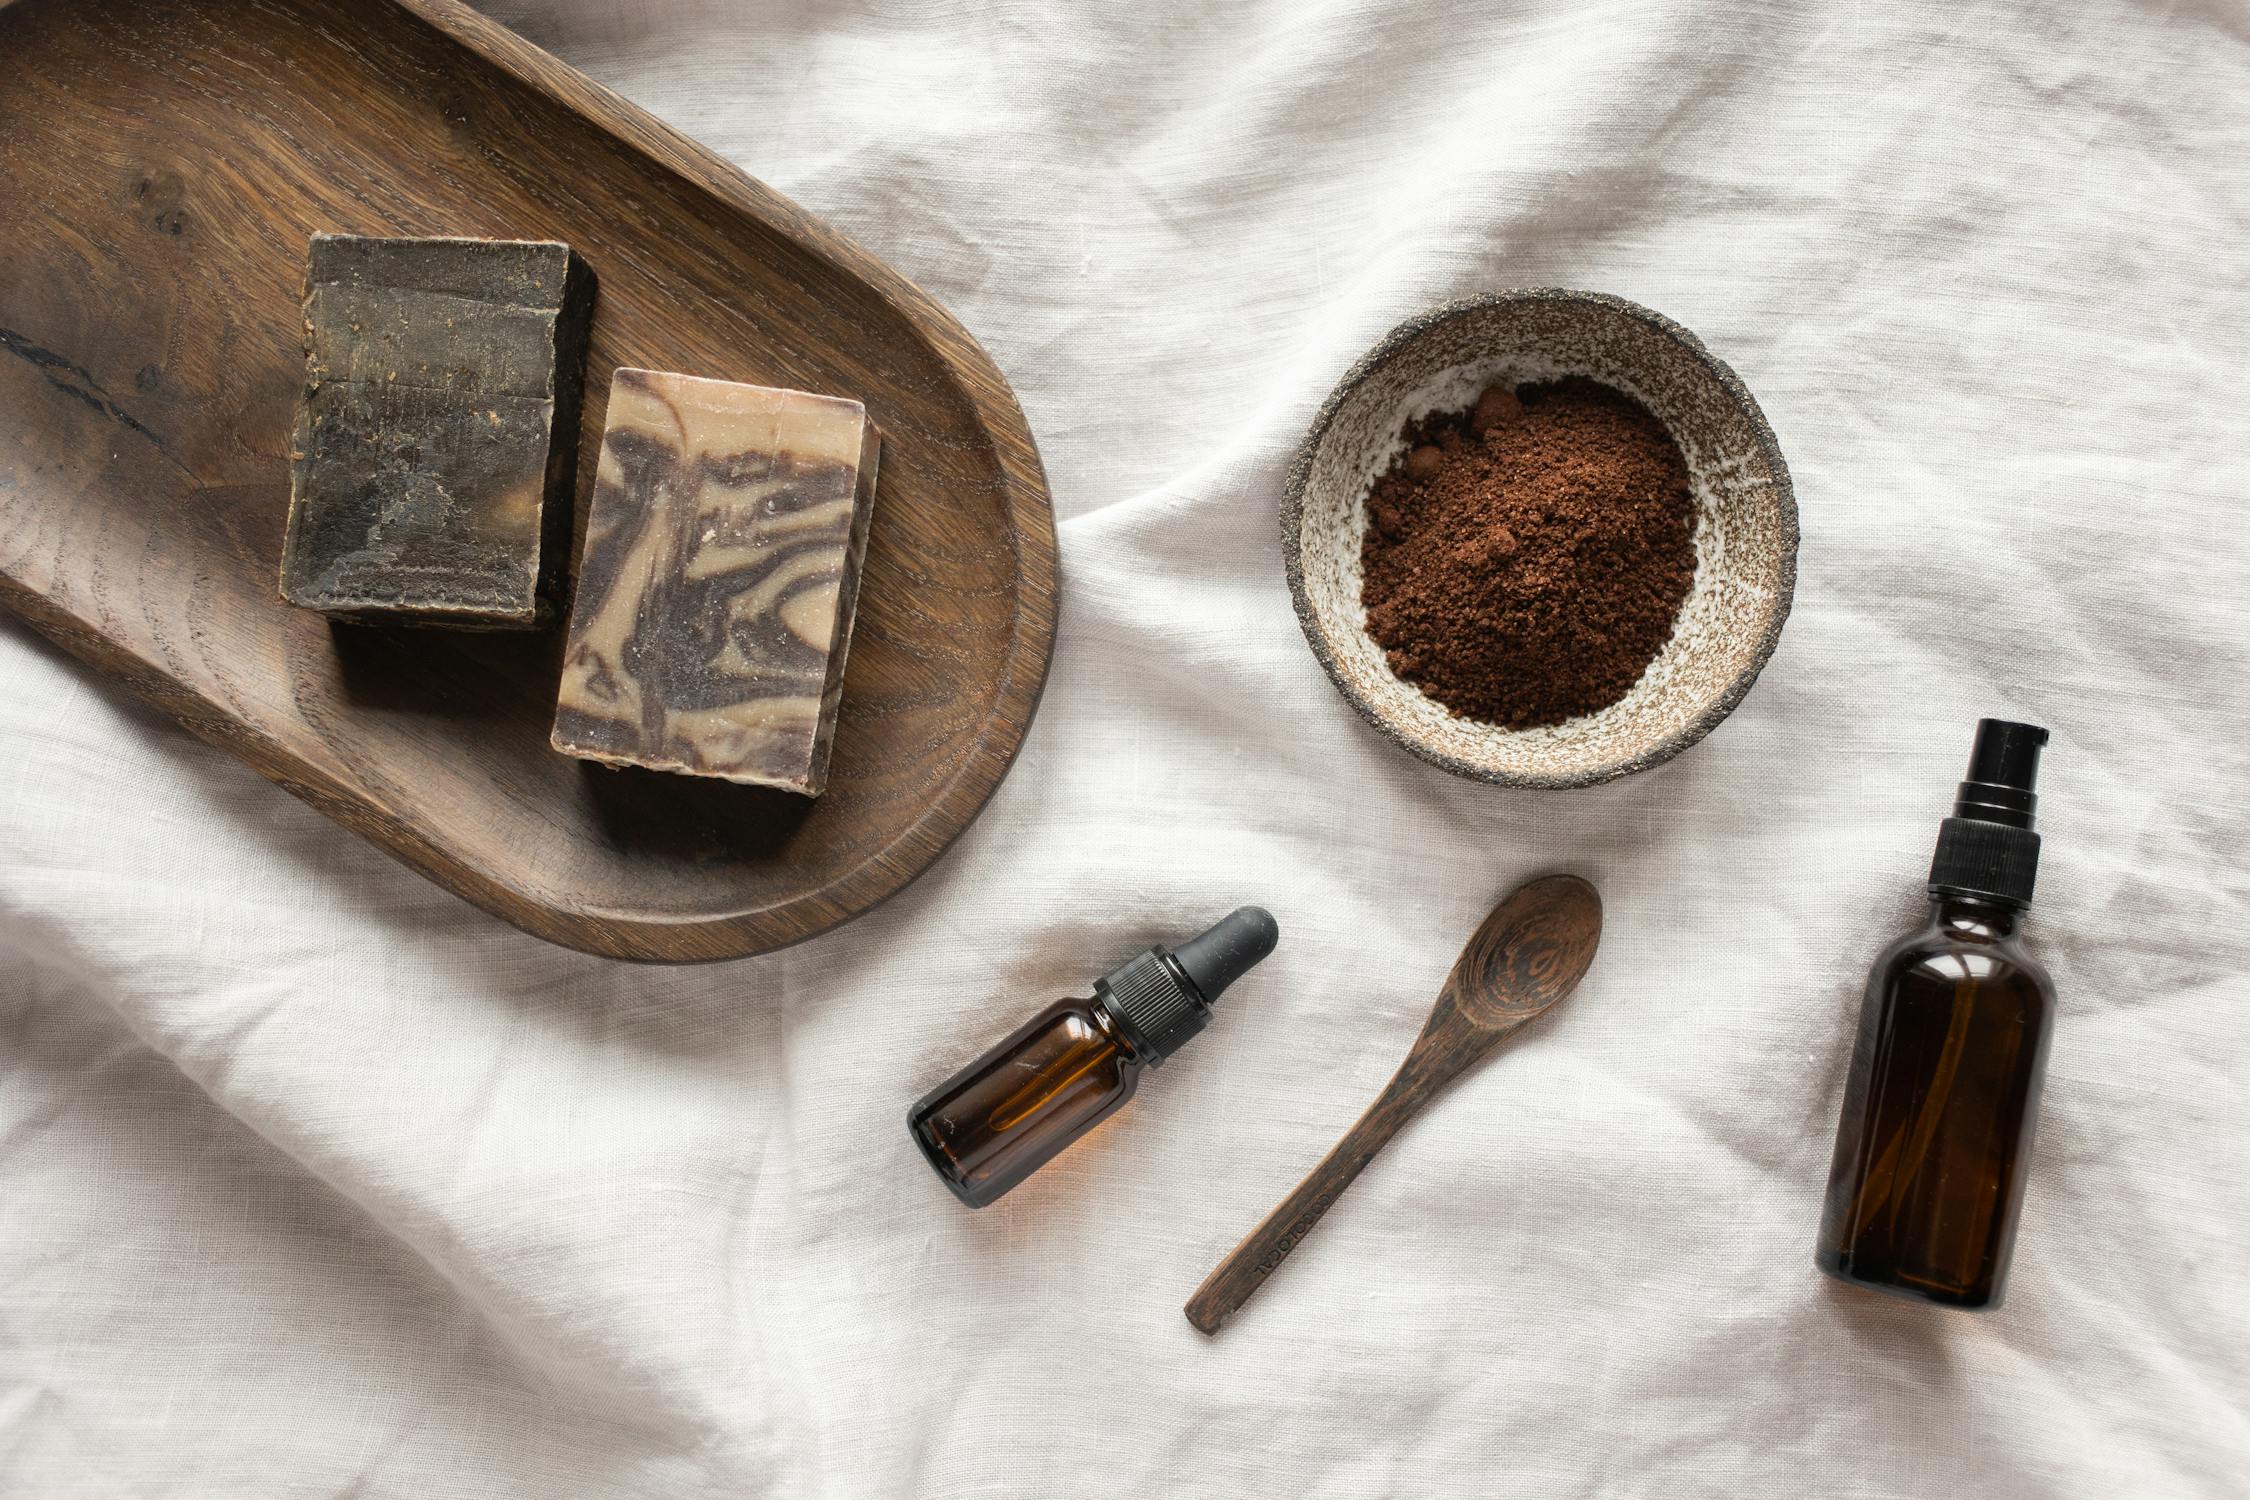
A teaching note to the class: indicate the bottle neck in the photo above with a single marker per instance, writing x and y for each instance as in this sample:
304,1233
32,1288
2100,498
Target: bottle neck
1977,918
1105,1021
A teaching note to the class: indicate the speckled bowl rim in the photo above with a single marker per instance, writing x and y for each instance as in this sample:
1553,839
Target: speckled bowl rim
1292,536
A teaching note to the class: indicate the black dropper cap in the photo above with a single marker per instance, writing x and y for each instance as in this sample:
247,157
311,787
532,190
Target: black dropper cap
1987,848
1162,998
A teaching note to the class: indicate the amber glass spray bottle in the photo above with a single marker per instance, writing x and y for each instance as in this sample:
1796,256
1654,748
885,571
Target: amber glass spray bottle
1074,1064
1944,1082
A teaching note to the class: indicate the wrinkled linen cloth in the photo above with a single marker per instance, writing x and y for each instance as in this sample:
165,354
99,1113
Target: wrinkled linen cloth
314,1180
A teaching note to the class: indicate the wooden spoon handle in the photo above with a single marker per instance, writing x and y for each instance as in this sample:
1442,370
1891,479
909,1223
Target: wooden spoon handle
1449,1043
1248,1265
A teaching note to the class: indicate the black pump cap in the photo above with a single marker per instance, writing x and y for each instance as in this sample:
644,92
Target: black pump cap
2003,769
1161,998
1987,848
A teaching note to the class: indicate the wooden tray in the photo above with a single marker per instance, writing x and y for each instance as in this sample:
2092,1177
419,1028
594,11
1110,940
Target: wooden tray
162,163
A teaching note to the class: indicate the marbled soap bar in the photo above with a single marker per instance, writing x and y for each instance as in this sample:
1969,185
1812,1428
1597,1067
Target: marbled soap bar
437,439
717,584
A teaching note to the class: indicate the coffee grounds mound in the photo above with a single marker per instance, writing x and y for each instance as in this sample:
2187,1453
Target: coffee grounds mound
1525,561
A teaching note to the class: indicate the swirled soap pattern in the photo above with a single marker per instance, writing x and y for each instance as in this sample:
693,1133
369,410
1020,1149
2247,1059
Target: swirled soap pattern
717,585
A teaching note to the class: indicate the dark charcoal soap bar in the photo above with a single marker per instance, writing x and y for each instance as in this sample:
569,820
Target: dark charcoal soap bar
437,439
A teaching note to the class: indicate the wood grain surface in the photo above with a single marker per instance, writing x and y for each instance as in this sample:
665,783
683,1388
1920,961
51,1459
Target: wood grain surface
163,164
1525,957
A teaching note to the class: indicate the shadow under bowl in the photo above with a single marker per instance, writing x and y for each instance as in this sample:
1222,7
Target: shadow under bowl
1745,526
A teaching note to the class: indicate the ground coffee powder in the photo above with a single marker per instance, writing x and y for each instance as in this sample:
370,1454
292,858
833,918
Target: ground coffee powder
1524,561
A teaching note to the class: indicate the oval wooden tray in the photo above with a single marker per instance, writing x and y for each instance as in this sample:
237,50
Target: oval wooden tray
162,164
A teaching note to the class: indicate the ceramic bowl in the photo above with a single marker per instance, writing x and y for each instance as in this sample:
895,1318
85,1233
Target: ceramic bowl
1745,527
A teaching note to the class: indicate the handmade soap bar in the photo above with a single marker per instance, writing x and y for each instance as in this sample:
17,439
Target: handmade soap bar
717,584
437,438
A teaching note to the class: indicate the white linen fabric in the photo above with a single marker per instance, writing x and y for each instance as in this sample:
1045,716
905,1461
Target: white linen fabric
316,1181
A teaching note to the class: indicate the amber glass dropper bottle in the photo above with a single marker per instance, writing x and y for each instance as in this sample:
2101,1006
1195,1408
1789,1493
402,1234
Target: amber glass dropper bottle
1074,1064
1944,1083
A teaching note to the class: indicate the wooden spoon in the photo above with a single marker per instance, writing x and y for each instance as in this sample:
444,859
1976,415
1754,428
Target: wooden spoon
1528,955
